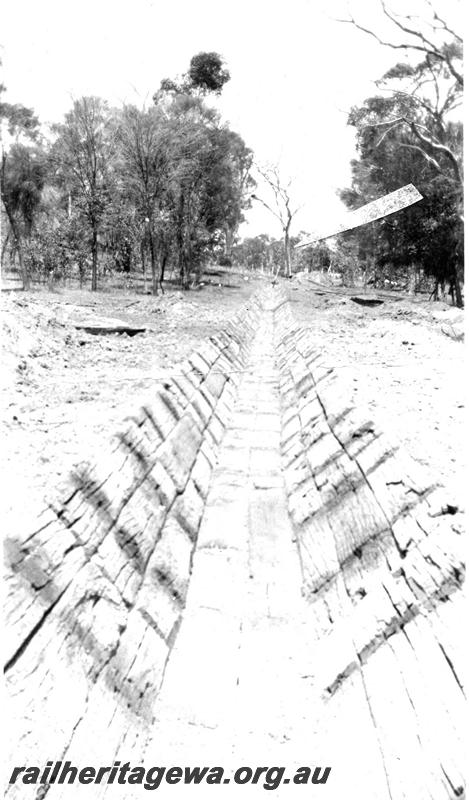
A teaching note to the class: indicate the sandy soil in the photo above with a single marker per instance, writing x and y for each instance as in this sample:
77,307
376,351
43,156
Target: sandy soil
404,360
65,391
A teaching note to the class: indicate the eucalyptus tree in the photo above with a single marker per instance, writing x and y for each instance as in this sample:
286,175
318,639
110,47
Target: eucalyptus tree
429,35
280,204
190,123
210,166
145,166
410,133
22,175
206,75
255,252
424,92
234,183
425,238
82,157
208,176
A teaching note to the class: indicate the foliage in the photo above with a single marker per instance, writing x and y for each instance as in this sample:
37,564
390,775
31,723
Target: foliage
206,75
254,252
409,135
206,72
166,184
144,153
122,236
205,191
428,234
22,175
23,178
314,258
59,249
81,157
19,118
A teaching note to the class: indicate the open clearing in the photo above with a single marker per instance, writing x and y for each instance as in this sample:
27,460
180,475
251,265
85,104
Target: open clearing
252,562
65,392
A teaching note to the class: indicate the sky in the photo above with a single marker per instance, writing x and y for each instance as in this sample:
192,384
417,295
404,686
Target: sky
295,73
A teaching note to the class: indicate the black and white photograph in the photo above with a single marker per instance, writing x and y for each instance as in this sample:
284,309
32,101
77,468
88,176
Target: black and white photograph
232,360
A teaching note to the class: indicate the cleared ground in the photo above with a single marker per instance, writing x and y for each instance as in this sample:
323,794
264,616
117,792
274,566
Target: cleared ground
166,601
66,391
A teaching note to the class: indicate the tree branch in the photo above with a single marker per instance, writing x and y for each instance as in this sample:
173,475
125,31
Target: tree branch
425,46
393,45
272,211
443,25
440,148
426,155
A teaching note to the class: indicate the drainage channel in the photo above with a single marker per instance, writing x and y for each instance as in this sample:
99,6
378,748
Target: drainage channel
240,686
238,672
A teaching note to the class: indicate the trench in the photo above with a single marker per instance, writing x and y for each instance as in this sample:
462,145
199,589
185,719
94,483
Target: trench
252,576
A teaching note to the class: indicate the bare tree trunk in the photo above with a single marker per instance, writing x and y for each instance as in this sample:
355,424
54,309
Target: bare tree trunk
190,269
19,249
23,269
412,272
94,256
456,285
164,259
154,266
270,261
5,245
286,244
438,285
365,273
180,243
228,242
181,263
144,265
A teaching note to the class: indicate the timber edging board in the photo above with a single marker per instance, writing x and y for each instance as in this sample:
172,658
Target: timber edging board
381,555
96,589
